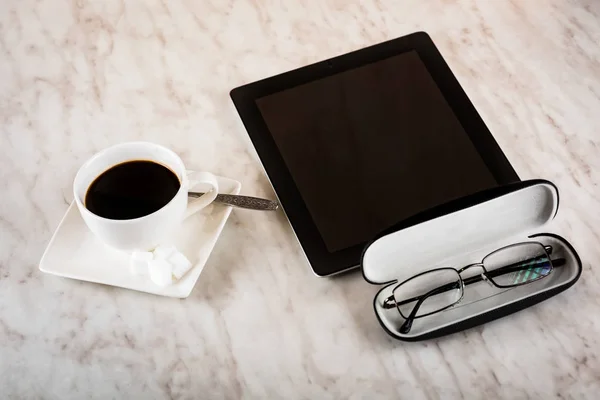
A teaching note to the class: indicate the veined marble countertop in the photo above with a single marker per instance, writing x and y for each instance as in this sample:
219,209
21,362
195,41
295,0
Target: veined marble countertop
78,76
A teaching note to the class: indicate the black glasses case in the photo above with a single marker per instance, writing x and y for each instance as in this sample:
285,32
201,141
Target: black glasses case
462,232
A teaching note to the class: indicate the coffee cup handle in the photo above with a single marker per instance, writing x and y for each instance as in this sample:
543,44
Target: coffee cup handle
210,189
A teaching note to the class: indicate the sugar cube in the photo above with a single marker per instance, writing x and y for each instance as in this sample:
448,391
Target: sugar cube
180,264
161,272
164,252
138,263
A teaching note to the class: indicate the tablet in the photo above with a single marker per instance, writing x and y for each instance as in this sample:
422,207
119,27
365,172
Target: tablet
359,142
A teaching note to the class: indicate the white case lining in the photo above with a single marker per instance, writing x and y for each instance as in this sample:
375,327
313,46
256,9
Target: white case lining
462,238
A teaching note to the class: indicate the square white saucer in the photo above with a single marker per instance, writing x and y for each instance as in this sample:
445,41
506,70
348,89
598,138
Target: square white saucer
74,252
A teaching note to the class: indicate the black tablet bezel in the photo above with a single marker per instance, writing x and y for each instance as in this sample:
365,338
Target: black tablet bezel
244,98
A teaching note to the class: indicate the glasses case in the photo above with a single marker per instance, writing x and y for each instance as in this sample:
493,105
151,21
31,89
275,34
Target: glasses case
463,232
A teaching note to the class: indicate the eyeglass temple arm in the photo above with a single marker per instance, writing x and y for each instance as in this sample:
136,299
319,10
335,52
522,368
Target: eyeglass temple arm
390,303
405,328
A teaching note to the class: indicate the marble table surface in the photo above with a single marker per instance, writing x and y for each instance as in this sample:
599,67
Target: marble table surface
77,76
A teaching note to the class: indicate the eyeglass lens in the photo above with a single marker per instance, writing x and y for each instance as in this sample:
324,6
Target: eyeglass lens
430,292
517,264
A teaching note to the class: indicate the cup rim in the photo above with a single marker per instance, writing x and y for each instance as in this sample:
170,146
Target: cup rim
81,204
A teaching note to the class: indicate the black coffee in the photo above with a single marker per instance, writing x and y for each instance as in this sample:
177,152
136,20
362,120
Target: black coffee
132,189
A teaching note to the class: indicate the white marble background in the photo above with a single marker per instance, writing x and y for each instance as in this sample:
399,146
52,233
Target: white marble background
77,76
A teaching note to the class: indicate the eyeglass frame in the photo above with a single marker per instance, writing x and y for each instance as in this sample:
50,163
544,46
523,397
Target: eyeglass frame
390,301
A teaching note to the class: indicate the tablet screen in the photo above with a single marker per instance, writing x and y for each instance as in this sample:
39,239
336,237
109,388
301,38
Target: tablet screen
371,146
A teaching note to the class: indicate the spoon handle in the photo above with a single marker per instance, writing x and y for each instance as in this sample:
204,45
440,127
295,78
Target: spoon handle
248,202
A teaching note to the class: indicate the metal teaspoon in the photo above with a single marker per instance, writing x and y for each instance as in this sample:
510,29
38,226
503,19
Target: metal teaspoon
248,202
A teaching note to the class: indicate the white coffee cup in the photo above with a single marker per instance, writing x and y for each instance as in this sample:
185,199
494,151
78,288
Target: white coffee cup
146,232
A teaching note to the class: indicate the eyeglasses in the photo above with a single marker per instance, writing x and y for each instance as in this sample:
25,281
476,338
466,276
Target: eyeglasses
436,290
